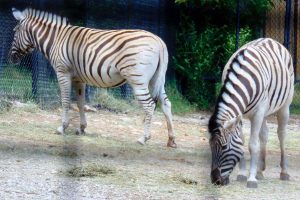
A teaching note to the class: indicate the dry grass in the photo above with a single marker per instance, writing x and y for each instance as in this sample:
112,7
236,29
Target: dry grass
149,172
91,170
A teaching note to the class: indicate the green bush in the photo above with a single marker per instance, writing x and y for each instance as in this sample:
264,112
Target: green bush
180,105
201,56
295,107
206,39
246,35
195,56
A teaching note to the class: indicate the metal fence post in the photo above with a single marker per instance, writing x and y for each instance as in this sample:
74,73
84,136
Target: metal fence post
287,23
237,30
295,36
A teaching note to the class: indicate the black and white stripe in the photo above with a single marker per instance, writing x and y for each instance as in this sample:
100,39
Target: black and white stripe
103,58
258,80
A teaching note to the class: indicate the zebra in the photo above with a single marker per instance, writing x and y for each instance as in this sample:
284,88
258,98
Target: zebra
257,81
102,58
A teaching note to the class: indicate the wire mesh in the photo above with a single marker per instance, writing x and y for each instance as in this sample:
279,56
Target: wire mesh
34,78
276,28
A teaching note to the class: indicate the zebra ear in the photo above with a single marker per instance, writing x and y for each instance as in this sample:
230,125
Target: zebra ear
17,14
232,123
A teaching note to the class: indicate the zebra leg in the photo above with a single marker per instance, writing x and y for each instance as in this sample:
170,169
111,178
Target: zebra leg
242,174
256,122
263,137
166,108
282,118
64,80
143,96
80,93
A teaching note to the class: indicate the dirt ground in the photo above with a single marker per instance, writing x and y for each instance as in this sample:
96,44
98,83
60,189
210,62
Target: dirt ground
35,161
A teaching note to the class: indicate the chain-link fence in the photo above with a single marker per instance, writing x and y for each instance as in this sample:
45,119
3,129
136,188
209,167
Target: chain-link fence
34,78
282,24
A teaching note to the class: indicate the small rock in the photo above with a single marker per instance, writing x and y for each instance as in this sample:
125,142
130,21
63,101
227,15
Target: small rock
89,109
86,108
157,123
18,104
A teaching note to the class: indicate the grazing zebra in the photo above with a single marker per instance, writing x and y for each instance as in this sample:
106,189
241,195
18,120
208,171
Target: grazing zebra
103,58
258,80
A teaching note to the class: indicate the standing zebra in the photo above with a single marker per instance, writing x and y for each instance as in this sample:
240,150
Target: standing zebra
258,80
103,58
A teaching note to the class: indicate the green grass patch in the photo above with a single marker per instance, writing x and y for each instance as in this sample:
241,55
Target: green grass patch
180,105
16,83
186,180
5,105
90,170
295,107
110,100
104,99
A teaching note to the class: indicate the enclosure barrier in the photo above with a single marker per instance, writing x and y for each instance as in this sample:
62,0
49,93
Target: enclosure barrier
34,78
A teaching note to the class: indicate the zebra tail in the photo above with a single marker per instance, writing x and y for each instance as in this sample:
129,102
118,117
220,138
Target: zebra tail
158,80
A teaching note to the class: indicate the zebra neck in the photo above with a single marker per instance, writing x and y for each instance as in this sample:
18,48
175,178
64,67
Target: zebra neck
216,122
43,38
225,112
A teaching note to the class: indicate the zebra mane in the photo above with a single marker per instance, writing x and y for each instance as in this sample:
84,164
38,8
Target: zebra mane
45,17
213,124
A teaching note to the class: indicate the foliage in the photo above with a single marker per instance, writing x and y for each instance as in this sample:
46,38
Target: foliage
195,58
295,107
5,106
206,39
216,3
246,34
180,105
16,83
259,5
201,56
105,99
251,11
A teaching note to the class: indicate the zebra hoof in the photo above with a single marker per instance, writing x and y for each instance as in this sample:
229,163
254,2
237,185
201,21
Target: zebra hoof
241,178
284,176
79,132
141,141
171,143
251,184
260,176
60,130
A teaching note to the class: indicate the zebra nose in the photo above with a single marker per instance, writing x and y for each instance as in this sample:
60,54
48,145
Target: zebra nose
13,59
216,177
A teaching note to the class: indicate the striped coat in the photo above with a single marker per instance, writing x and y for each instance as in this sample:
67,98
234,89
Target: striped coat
103,58
258,81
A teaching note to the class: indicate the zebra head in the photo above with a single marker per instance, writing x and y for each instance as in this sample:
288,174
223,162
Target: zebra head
227,149
21,44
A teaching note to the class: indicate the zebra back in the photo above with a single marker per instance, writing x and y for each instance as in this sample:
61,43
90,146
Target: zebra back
261,70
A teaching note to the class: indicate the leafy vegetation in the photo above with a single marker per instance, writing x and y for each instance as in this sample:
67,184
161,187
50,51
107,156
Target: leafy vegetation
295,107
107,100
16,83
180,105
205,41
200,56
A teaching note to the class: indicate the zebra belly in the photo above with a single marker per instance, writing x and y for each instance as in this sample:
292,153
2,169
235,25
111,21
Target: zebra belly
266,106
103,81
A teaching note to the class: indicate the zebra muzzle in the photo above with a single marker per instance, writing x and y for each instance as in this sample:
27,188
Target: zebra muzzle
13,58
217,179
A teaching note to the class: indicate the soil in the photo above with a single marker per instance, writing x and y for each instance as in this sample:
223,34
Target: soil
35,161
